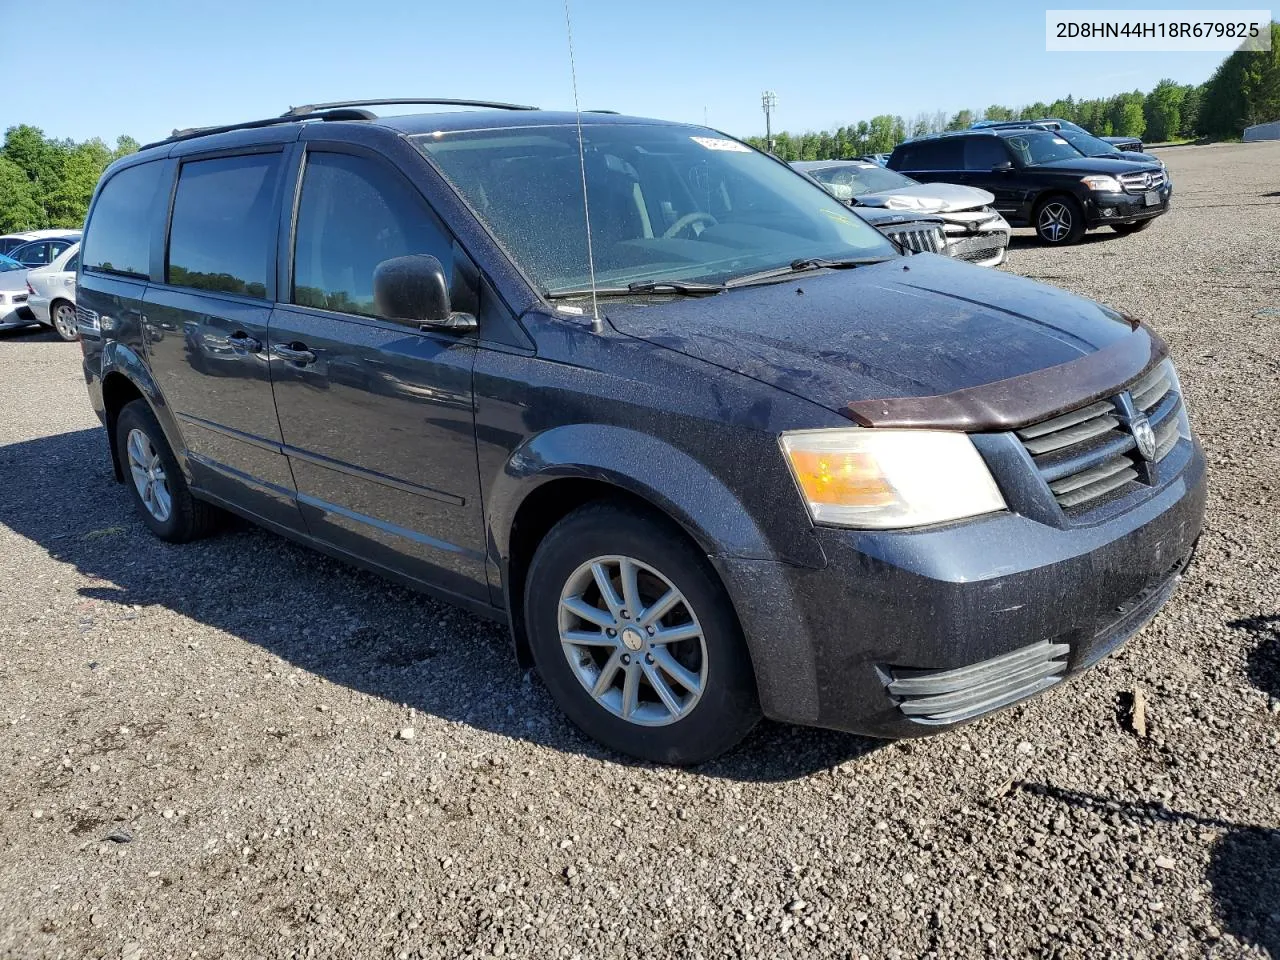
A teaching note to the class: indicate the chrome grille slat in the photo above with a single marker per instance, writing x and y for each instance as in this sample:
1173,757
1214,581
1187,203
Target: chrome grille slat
1066,420
1092,475
1071,436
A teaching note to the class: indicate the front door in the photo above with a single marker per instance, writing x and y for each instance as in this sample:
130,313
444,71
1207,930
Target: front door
376,415
206,330
982,156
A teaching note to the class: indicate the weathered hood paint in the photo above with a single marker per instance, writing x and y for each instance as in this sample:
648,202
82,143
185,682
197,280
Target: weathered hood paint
929,198
935,327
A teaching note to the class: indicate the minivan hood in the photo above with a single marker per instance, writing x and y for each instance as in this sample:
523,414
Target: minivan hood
928,198
914,327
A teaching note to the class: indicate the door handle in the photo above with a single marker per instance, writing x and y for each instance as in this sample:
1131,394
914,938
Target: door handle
242,341
294,353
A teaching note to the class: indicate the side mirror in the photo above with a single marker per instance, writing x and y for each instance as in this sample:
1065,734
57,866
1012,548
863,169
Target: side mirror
1003,167
414,289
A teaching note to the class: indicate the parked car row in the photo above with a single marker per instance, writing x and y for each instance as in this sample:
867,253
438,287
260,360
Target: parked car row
958,193
38,281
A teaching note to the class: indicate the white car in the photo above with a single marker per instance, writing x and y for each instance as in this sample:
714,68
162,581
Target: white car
11,241
974,230
51,293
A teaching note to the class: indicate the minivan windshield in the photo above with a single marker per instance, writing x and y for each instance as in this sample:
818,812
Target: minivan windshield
668,203
1035,146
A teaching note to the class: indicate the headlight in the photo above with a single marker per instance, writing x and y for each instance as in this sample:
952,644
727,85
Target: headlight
881,479
1102,184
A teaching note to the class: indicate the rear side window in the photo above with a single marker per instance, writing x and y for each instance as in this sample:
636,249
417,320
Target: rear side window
73,264
355,213
223,228
118,236
933,155
983,153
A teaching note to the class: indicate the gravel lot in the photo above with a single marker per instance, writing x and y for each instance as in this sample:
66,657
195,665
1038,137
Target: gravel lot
241,749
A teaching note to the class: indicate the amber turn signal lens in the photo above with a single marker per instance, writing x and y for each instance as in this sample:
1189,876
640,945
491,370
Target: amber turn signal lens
841,478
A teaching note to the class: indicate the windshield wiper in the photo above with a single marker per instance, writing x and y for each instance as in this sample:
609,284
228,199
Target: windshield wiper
682,287
801,265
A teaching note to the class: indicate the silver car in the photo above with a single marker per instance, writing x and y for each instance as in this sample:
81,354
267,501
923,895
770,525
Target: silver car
974,230
51,293
13,295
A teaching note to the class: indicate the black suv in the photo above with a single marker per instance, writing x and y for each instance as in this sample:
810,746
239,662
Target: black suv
1040,180
733,454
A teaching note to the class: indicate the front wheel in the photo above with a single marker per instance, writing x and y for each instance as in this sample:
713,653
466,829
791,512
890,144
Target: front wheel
1132,227
636,639
1059,221
63,316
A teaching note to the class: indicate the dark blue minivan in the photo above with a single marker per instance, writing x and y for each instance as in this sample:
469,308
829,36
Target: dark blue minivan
708,443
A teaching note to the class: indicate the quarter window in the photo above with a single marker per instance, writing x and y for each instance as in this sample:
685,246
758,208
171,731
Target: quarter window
354,214
224,224
118,236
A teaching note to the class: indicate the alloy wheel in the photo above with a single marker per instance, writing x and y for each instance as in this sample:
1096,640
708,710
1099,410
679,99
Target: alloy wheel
1054,223
633,640
64,321
147,470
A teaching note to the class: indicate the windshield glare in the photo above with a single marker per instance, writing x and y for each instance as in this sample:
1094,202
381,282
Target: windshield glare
849,180
1087,143
667,203
1035,147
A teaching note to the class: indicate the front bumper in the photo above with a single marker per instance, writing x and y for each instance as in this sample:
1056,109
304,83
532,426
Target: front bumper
977,238
831,647
1107,208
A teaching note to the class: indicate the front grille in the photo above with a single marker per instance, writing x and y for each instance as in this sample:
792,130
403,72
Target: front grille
977,247
1091,454
937,697
916,237
1142,182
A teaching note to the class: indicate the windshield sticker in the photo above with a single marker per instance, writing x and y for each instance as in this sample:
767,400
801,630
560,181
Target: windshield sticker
721,143
1060,141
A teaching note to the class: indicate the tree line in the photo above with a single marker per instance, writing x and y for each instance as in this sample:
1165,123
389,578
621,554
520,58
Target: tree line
48,183
1244,90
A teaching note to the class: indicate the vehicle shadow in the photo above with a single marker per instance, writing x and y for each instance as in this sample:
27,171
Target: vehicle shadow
1244,867
1263,663
1029,241
350,627
32,334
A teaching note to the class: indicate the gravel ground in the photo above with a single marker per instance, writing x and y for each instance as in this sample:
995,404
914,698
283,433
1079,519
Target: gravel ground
241,749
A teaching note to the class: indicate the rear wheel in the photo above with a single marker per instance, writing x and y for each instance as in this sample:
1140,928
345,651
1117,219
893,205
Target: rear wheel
636,639
1059,221
153,476
63,316
1132,227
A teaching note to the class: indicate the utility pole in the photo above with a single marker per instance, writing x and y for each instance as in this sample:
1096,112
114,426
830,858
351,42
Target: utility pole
769,100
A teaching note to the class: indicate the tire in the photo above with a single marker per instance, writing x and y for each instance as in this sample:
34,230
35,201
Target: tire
1125,228
62,317
1059,220
183,517
715,705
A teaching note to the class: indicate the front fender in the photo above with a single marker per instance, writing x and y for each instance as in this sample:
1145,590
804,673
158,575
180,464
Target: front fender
641,465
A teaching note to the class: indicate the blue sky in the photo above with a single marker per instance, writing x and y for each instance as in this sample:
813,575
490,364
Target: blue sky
144,67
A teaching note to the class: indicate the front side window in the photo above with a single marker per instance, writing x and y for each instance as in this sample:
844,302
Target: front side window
117,238
224,224
355,213
33,254
1034,148
667,203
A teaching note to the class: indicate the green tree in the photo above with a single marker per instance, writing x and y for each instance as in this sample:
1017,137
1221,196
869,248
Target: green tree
18,207
960,121
997,112
1245,89
1162,109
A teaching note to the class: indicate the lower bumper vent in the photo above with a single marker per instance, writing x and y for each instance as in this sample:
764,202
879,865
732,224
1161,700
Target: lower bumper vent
939,697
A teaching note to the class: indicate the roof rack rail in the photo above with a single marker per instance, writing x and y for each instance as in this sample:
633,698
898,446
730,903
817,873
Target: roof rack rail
192,132
311,108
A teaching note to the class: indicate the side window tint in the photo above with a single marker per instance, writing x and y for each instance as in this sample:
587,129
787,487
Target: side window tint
117,238
73,264
947,154
355,213
983,153
224,223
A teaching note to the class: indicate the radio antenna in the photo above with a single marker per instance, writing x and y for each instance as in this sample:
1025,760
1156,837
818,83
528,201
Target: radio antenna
597,325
